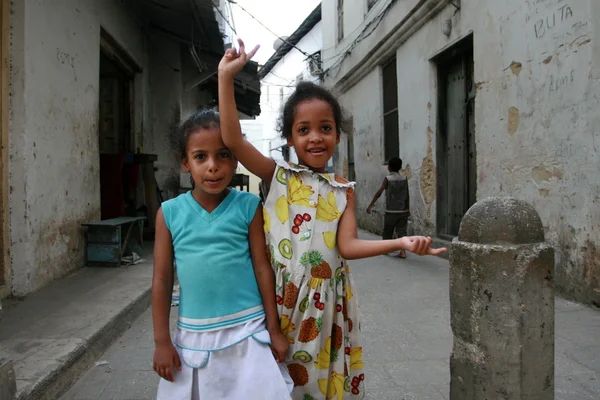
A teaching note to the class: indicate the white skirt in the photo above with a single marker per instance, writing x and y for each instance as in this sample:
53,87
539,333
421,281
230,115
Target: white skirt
229,364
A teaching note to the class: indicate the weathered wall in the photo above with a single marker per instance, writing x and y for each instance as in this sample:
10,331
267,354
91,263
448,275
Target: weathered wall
54,161
167,88
537,76
368,146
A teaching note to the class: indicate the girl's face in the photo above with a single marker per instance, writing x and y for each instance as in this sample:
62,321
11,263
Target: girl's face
208,160
314,134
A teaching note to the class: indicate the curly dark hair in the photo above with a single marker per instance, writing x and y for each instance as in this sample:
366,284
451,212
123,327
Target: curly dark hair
306,90
206,118
395,164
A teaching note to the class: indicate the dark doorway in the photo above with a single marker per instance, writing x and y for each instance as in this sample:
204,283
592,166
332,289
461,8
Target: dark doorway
116,139
115,109
456,156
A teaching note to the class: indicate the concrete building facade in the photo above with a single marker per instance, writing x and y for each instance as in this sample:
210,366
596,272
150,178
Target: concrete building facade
479,99
86,79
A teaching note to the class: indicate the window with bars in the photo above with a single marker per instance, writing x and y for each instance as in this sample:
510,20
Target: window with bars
391,142
340,21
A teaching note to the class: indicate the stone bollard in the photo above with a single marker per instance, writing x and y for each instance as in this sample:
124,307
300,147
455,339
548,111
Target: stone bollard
502,304
8,382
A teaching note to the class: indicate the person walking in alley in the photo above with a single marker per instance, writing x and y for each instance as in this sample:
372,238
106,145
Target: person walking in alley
397,202
311,231
215,236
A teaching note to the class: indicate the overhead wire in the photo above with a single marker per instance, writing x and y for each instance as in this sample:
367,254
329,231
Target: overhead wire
226,19
367,31
282,78
231,13
267,28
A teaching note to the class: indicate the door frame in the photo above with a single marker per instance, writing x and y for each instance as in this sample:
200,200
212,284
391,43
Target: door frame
129,68
449,55
5,264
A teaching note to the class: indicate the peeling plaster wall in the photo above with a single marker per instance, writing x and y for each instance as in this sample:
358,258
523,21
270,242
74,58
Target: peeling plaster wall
167,90
537,73
54,160
368,148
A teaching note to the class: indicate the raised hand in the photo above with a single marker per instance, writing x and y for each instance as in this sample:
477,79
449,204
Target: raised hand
420,245
234,60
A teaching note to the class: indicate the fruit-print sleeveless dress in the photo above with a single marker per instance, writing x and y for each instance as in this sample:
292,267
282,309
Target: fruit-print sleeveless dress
316,299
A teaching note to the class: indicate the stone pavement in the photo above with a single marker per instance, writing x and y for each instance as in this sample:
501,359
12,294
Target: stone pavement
55,334
407,340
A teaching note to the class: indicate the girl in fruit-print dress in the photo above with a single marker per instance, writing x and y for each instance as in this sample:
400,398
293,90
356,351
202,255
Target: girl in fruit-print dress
311,231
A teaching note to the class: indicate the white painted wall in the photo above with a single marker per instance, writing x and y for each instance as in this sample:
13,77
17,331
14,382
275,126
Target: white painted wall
54,156
537,133
54,167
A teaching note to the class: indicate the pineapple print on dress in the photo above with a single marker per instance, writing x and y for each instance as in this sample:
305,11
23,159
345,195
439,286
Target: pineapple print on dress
318,307
310,329
319,268
298,373
290,295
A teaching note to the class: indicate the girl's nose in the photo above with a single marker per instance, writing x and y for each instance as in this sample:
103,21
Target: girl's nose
212,165
315,137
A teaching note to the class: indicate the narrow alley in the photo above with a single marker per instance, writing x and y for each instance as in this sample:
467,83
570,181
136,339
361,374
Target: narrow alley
446,106
406,326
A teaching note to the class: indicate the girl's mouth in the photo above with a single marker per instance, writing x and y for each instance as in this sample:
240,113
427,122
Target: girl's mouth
213,182
317,152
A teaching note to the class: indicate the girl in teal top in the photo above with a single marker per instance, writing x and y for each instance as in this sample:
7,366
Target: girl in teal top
228,313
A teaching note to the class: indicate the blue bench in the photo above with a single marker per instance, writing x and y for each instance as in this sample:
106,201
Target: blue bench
111,239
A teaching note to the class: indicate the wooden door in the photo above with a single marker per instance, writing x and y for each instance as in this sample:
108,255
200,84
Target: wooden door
456,144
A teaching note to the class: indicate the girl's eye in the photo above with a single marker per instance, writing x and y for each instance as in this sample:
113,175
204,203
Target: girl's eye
224,155
326,128
303,129
200,156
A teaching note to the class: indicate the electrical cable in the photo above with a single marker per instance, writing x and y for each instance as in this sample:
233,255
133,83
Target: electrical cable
264,26
372,25
226,19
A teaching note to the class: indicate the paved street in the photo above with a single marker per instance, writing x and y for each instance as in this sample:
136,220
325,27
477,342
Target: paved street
406,329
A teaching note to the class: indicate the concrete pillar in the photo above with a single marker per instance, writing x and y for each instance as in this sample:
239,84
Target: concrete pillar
8,382
502,304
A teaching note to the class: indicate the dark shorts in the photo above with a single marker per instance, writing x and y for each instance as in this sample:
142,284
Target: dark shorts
394,222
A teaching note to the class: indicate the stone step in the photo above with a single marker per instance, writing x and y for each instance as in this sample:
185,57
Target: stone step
54,335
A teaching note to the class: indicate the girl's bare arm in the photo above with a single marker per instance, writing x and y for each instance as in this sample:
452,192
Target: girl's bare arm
266,285
351,247
233,61
162,280
265,277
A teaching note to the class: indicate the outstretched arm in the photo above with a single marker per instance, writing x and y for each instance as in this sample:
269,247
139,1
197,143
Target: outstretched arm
383,187
233,61
351,247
